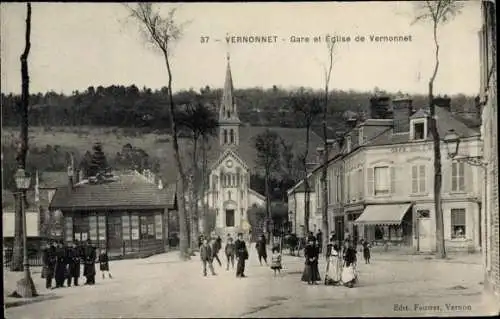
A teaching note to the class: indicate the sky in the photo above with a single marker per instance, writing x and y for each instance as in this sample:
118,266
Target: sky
77,45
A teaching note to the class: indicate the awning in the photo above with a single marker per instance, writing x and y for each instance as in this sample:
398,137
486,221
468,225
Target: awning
383,214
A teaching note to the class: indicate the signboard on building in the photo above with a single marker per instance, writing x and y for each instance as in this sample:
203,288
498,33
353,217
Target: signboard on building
412,148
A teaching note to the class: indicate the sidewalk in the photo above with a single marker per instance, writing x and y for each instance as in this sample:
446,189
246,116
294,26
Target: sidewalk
118,266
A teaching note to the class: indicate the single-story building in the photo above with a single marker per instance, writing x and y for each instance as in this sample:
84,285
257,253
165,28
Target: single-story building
126,214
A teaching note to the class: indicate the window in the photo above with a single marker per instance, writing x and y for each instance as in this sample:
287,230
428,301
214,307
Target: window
229,217
347,180
353,184
147,227
423,213
232,136
229,195
225,136
458,223
419,131
382,180
360,184
457,177
418,179
348,143
339,187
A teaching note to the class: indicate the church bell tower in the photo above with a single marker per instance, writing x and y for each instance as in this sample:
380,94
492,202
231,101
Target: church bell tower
229,121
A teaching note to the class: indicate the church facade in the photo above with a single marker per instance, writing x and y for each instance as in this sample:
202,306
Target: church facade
229,194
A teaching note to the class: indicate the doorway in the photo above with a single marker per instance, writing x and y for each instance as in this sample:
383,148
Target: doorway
229,217
114,230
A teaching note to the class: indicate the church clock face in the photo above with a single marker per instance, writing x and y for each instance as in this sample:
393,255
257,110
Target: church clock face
229,163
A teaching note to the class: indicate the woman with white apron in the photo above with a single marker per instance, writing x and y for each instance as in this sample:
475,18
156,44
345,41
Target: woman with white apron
333,266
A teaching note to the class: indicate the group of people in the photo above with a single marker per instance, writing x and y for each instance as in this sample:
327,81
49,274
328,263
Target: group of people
341,265
63,262
209,250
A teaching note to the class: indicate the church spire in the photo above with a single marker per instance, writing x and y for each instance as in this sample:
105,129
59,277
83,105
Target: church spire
228,114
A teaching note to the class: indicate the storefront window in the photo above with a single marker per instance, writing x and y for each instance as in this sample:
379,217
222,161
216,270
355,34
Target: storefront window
458,223
147,227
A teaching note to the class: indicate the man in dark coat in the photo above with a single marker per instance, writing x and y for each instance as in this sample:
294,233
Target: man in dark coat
89,263
49,264
261,249
60,267
241,255
73,259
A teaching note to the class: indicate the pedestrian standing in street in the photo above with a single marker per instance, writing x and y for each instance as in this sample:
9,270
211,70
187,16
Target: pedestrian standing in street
214,245
230,252
89,264
311,271
276,260
206,257
200,240
319,240
241,255
60,267
104,264
261,248
334,265
73,259
366,251
49,264
349,273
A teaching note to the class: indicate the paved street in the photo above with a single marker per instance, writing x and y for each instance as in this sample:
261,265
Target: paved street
161,286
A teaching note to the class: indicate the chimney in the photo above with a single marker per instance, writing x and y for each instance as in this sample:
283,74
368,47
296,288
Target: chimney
402,110
70,178
444,102
379,107
160,184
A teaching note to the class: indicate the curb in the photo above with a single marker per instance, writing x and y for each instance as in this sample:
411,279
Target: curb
25,301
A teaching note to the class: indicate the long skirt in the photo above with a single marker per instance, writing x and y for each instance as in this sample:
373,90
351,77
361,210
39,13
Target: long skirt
334,269
311,273
349,275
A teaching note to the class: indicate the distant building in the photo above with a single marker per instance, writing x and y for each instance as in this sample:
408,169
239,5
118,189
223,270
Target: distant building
489,130
127,214
233,161
380,180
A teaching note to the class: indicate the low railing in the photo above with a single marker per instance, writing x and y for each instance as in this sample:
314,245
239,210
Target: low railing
35,257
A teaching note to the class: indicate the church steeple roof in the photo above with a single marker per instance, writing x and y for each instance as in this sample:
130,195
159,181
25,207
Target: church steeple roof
227,95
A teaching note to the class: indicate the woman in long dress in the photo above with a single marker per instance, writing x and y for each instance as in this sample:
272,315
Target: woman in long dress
311,271
349,273
334,266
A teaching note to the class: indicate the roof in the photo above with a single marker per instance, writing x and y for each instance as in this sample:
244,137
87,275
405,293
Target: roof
9,204
123,192
53,179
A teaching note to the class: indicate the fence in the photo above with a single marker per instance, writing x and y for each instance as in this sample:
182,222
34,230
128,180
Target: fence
34,257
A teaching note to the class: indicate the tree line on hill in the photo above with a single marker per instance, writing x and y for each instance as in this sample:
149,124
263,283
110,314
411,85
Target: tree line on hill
131,107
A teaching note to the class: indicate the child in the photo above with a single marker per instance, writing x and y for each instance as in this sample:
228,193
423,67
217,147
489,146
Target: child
366,251
276,260
104,264
230,251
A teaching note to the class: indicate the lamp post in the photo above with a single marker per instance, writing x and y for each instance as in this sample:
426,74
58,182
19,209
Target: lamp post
25,286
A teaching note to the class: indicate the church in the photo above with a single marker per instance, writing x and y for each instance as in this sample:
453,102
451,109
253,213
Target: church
229,193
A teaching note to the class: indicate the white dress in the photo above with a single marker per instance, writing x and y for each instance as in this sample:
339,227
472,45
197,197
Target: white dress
334,267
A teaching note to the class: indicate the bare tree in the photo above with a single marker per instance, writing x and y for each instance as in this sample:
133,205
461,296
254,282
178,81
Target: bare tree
268,145
201,122
163,32
324,171
307,107
22,150
438,13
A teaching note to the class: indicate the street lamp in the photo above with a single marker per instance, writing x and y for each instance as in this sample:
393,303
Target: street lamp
452,142
25,286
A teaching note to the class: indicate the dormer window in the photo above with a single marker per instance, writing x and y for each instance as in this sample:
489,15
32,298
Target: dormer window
418,129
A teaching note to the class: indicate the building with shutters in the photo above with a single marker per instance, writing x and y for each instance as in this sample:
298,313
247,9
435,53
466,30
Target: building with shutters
381,177
489,132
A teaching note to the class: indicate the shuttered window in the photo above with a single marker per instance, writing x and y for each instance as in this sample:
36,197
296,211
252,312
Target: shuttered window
370,181
382,180
458,177
68,229
458,223
360,184
418,179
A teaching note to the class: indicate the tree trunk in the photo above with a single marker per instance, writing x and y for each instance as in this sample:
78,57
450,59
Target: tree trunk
440,246
324,177
307,188
195,189
204,186
268,206
181,191
17,257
